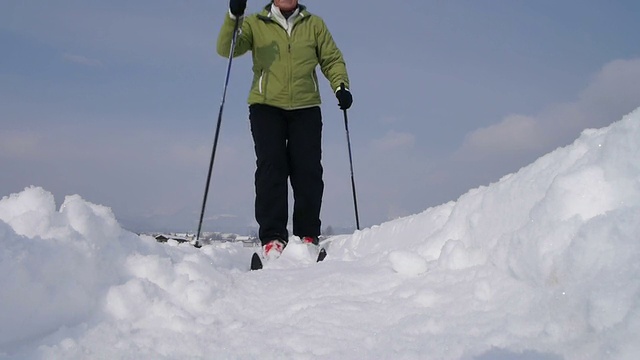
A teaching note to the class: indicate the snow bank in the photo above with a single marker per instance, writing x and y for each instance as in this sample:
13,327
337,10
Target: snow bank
64,269
540,265
551,251
55,265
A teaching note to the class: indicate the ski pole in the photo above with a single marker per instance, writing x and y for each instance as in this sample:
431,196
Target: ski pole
353,182
215,139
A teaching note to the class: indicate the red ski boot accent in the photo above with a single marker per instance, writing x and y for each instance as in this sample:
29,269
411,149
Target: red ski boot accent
310,240
273,249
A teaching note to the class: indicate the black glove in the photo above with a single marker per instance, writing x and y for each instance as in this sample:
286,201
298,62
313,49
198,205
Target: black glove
237,7
344,98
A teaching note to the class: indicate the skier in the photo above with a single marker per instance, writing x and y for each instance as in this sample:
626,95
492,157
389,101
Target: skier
287,43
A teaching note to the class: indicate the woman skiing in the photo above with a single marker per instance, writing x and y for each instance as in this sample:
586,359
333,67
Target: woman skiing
287,44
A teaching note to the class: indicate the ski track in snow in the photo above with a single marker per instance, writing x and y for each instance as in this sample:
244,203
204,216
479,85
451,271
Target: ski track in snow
539,265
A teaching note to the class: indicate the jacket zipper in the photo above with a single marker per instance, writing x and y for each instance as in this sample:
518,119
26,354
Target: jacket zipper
290,71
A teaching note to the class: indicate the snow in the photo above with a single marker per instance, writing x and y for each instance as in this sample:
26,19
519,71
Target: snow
542,264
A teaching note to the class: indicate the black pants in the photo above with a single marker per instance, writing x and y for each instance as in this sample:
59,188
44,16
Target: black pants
288,145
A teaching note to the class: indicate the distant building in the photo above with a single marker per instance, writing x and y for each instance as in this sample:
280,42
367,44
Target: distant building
208,238
248,241
163,238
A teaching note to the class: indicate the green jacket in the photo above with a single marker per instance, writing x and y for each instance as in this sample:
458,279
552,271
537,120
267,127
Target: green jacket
284,66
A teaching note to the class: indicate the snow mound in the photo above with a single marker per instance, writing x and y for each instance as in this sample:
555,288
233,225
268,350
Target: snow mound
62,268
542,264
562,235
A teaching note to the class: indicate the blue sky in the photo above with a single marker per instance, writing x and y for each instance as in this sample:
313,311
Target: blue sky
118,101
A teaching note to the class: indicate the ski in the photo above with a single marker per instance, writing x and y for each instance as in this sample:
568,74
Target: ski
256,260
321,255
